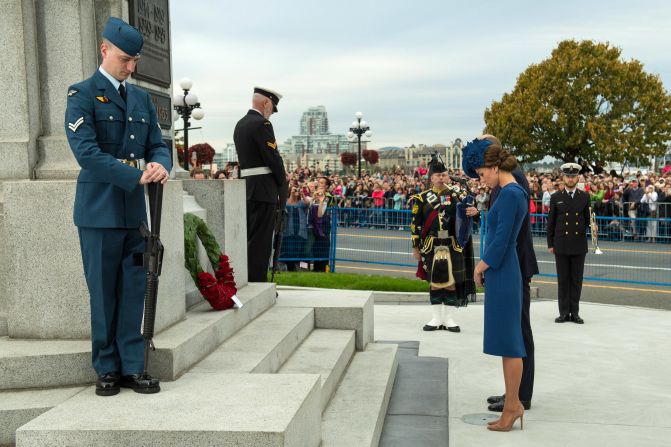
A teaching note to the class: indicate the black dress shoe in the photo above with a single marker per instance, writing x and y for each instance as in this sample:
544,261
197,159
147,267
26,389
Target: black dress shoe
495,399
428,327
107,384
140,383
498,406
562,319
454,329
576,319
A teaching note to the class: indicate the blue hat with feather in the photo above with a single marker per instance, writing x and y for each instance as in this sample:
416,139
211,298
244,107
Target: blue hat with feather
473,156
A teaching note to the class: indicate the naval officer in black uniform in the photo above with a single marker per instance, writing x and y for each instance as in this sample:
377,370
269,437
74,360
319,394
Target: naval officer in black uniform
568,219
263,169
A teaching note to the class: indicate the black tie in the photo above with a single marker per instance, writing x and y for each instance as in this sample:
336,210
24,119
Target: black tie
122,92
571,193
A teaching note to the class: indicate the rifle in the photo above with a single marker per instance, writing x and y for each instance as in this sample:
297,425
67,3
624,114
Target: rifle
277,239
152,260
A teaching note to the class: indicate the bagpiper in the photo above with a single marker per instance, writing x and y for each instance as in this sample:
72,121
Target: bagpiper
444,262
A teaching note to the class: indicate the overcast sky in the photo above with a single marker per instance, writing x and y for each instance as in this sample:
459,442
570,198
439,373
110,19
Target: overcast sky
420,71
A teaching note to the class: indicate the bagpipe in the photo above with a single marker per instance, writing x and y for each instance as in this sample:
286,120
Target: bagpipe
463,223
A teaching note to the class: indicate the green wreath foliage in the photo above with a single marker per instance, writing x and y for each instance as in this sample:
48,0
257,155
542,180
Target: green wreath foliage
195,228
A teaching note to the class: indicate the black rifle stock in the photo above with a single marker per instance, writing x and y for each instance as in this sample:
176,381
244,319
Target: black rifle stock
152,261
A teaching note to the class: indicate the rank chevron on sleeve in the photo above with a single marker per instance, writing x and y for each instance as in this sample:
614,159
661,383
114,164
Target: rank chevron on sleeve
73,126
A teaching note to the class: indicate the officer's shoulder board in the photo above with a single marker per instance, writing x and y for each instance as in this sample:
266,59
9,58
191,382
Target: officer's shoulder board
418,197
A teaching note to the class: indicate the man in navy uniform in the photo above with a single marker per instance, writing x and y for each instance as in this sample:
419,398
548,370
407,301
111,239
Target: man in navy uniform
112,127
567,224
263,169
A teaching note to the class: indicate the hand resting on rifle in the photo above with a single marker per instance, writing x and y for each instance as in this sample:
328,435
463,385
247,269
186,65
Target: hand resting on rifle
155,172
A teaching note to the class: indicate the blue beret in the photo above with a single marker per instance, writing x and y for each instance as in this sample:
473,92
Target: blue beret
473,156
123,36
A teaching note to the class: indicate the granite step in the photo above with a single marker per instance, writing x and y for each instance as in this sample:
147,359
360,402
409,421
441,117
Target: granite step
3,324
263,345
273,410
326,352
20,407
188,342
349,309
53,363
356,413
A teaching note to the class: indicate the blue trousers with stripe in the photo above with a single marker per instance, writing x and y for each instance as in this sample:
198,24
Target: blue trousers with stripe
116,288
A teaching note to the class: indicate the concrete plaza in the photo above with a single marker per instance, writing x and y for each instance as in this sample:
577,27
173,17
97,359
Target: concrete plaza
604,383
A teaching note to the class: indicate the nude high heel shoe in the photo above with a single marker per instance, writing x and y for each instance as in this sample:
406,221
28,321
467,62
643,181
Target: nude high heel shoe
507,420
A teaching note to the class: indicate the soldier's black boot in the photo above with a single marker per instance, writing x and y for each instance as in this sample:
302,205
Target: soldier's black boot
496,399
576,319
141,383
107,384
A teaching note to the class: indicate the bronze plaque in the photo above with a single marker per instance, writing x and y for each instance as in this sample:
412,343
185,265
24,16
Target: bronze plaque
162,103
152,18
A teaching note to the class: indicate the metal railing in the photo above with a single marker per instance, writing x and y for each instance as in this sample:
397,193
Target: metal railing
636,250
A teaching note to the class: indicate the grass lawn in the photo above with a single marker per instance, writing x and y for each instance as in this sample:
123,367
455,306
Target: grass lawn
350,281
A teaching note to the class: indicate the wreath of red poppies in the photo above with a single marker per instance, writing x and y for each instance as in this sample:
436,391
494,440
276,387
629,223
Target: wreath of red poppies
219,289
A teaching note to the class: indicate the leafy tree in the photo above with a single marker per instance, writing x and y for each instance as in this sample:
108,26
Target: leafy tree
584,102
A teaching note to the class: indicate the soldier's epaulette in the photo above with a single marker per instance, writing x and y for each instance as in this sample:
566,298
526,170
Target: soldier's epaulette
419,197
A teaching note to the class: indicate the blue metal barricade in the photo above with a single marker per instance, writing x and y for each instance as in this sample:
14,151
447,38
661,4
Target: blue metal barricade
636,251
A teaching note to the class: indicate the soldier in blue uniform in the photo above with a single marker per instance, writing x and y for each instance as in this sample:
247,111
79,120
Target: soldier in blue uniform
112,129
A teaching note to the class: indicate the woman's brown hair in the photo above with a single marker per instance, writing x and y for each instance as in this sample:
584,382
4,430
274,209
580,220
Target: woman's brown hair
495,155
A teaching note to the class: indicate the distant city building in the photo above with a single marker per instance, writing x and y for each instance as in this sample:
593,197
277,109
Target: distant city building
315,121
411,157
315,147
224,155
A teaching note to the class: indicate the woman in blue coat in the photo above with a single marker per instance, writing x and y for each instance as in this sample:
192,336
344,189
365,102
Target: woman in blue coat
499,269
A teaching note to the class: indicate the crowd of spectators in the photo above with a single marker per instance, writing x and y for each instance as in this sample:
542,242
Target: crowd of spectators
627,204
230,171
616,198
611,194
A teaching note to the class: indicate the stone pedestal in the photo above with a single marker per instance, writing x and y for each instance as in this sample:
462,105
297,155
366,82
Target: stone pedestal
226,206
19,90
68,50
46,291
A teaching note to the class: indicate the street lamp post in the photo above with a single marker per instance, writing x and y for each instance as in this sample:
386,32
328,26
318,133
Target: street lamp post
186,105
358,129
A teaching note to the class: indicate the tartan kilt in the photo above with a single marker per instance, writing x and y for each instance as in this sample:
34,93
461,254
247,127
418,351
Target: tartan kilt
458,264
462,270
